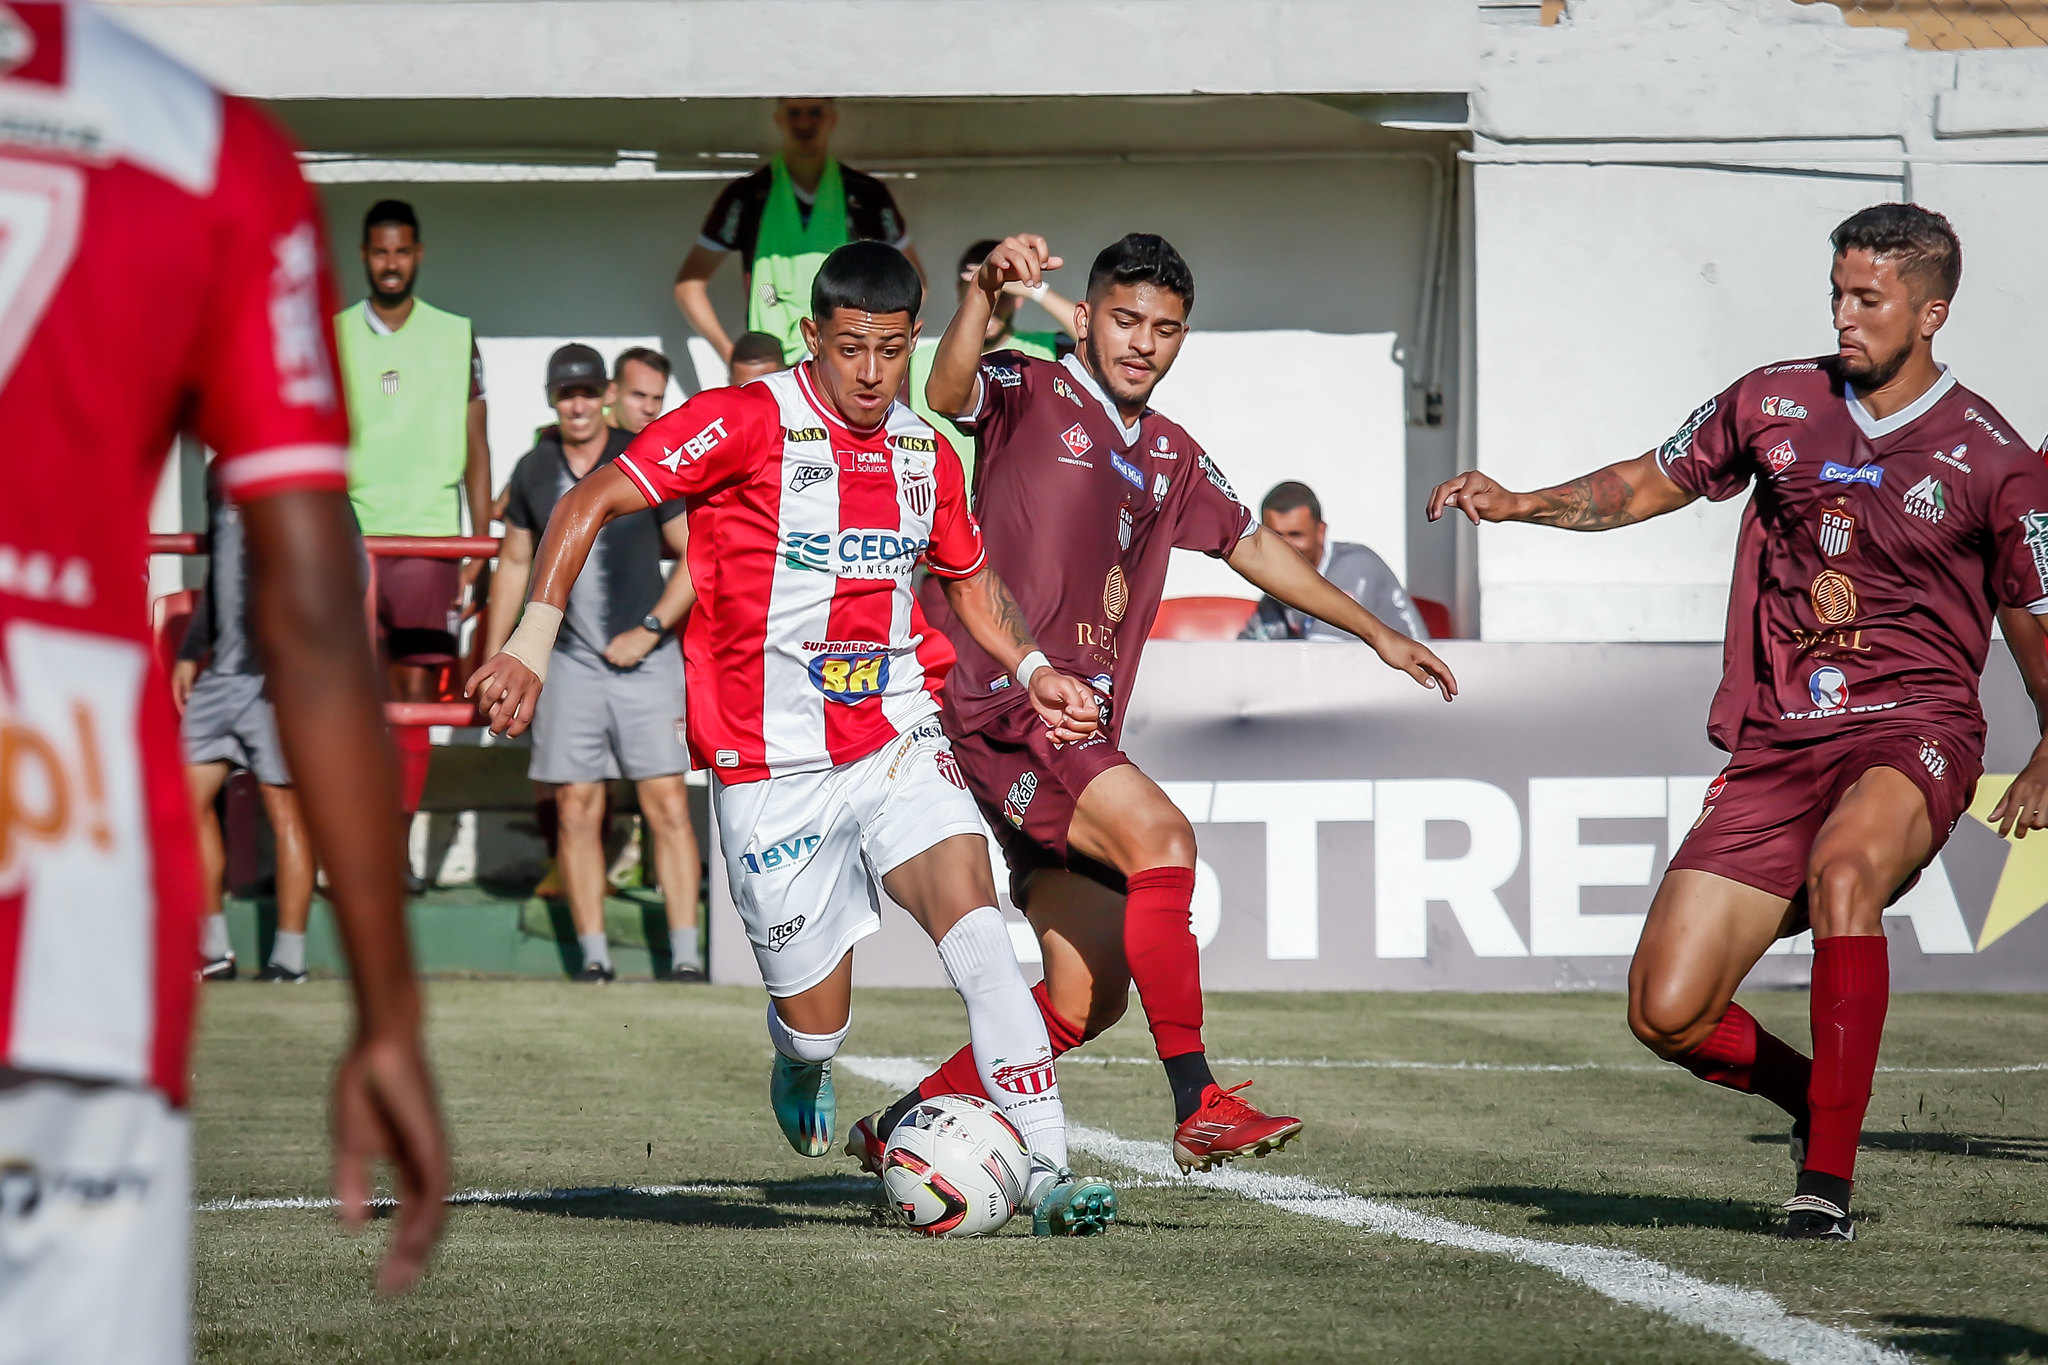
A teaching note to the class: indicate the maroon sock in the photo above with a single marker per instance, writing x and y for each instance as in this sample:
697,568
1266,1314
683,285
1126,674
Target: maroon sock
1166,963
415,748
1851,989
1743,1055
958,1076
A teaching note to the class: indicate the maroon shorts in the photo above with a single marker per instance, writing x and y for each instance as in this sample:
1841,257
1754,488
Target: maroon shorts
1760,816
419,608
1027,788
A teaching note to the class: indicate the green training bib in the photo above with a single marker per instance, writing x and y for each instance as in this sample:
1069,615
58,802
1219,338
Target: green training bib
788,252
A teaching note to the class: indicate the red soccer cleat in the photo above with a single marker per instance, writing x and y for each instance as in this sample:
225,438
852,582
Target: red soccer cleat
865,1146
1226,1127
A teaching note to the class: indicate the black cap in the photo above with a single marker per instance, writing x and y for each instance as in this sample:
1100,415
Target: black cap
576,366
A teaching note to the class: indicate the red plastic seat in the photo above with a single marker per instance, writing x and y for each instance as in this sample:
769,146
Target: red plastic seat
1202,618
169,617
1436,616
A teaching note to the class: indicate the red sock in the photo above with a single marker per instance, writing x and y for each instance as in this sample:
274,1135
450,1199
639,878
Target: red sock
958,1076
1852,979
414,750
1166,964
1744,1056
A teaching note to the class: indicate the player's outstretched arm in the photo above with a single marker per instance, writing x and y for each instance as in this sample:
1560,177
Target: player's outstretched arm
1022,259
1619,495
1067,705
320,677
1273,566
507,687
2025,803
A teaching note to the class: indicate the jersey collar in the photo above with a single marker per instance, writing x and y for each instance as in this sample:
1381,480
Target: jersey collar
1087,381
830,413
1874,427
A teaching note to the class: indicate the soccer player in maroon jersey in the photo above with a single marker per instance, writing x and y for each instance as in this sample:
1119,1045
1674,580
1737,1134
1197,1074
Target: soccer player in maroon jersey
1891,512
1084,489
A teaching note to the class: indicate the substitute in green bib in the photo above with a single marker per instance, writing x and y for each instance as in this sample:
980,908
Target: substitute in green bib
783,221
1001,335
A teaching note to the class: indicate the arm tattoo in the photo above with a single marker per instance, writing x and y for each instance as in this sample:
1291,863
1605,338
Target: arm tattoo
1595,503
1003,612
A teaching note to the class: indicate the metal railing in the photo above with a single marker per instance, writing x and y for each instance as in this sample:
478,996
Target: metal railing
1952,25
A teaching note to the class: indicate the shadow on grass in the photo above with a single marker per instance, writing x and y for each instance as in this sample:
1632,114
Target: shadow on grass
2030,1149
1582,1208
1992,1225
749,1204
1967,1341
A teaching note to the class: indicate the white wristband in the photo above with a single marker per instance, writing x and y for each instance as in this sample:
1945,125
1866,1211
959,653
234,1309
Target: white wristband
1030,664
533,639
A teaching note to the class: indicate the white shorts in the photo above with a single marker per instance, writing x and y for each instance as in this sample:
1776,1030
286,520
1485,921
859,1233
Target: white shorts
95,1226
804,852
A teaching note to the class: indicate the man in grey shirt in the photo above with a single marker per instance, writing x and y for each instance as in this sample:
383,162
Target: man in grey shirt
1292,512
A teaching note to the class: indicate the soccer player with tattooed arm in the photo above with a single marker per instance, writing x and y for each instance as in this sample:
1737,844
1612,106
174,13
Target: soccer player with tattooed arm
1084,489
812,494
1892,512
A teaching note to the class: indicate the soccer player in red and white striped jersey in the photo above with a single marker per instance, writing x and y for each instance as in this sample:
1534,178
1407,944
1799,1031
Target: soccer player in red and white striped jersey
139,204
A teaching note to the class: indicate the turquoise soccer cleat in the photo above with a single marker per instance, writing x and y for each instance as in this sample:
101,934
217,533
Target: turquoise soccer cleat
801,1095
1063,1204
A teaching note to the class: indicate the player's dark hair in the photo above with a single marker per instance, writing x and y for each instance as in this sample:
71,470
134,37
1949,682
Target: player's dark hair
1142,258
645,355
972,258
1920,240
755,347
390,212
1287,496
870,277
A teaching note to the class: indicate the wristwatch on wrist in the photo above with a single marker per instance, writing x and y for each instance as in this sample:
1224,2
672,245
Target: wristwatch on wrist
652,622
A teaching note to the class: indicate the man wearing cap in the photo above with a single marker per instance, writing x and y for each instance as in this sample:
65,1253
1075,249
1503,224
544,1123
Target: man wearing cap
784,220
614,707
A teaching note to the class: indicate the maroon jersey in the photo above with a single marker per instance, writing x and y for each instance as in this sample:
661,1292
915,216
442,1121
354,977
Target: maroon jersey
1872,553
1079,512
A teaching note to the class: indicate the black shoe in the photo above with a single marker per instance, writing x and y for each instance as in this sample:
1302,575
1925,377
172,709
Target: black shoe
1815,1219
595,974
688,973
272,972
218,969
414,886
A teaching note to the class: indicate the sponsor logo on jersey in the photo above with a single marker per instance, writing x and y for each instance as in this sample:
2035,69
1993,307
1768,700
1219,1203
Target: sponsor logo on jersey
802,476
1972,415
1837,532
1955,458
1116,594
924,445
780,935
1000,683
726,758
1680,444
1826,643
783,856
1034,1077
1829,688
1783,407
1871,474
41,578
1926,501
853,553
2035,525
1781,457
1716,787
1933,759
298,322
808,550
1161,449
1128,470
1019,799
864,461
1160,484
920,493
949,768
1006,375
1123,527
1066,391
1076,441
1834,598
804,434
1104,686
850,679
696,448
1216,477
846,647
1792,368
1103,683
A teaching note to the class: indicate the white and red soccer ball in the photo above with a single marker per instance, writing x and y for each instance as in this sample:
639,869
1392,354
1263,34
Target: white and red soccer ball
955,1167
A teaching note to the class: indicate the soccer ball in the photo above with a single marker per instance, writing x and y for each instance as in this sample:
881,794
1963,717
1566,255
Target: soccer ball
955,1167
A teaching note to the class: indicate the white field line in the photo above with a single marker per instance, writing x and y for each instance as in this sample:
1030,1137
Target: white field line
241,1204
1755,1320
1374,1064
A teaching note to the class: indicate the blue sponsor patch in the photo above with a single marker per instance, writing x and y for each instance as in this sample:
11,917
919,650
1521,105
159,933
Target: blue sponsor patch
776,857
1128,470
1852,473
850,678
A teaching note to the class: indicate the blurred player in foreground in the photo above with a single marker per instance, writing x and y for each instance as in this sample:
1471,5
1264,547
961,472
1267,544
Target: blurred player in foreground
1085,489
1891,511
188,227
812,495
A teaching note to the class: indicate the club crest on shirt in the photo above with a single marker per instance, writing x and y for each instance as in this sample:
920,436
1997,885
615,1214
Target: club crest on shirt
920,492
1833,597
1836,532
1926,501
1123,527
1933,759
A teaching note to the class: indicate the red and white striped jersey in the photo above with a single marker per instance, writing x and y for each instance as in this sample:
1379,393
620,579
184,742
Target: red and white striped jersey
161,267
801,653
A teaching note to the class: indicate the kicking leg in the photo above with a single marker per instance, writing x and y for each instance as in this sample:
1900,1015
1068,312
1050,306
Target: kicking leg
807,1029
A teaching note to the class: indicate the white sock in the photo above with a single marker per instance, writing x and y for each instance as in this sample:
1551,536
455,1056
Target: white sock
213,938
289,951
804,1047
682,947
595,949
1011,1052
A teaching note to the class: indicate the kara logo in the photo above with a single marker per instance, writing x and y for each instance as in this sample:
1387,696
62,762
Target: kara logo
808,550
1160,484
920,493
1128,470
1926,501
1123,527
1216,477
1006,375
1116,594
1829,688
949,768
850,679
1066,391
1077,441
802,476
696,448
1972,415
1019,799
783,856
1834,598
780,935
1780,458
2035,524
1783,407
1680,444
1034,1077
1955,458
1871,474
1933,759
1837,533
923,445
804,434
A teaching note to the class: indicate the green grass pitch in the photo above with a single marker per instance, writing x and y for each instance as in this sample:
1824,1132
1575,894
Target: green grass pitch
769,1257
